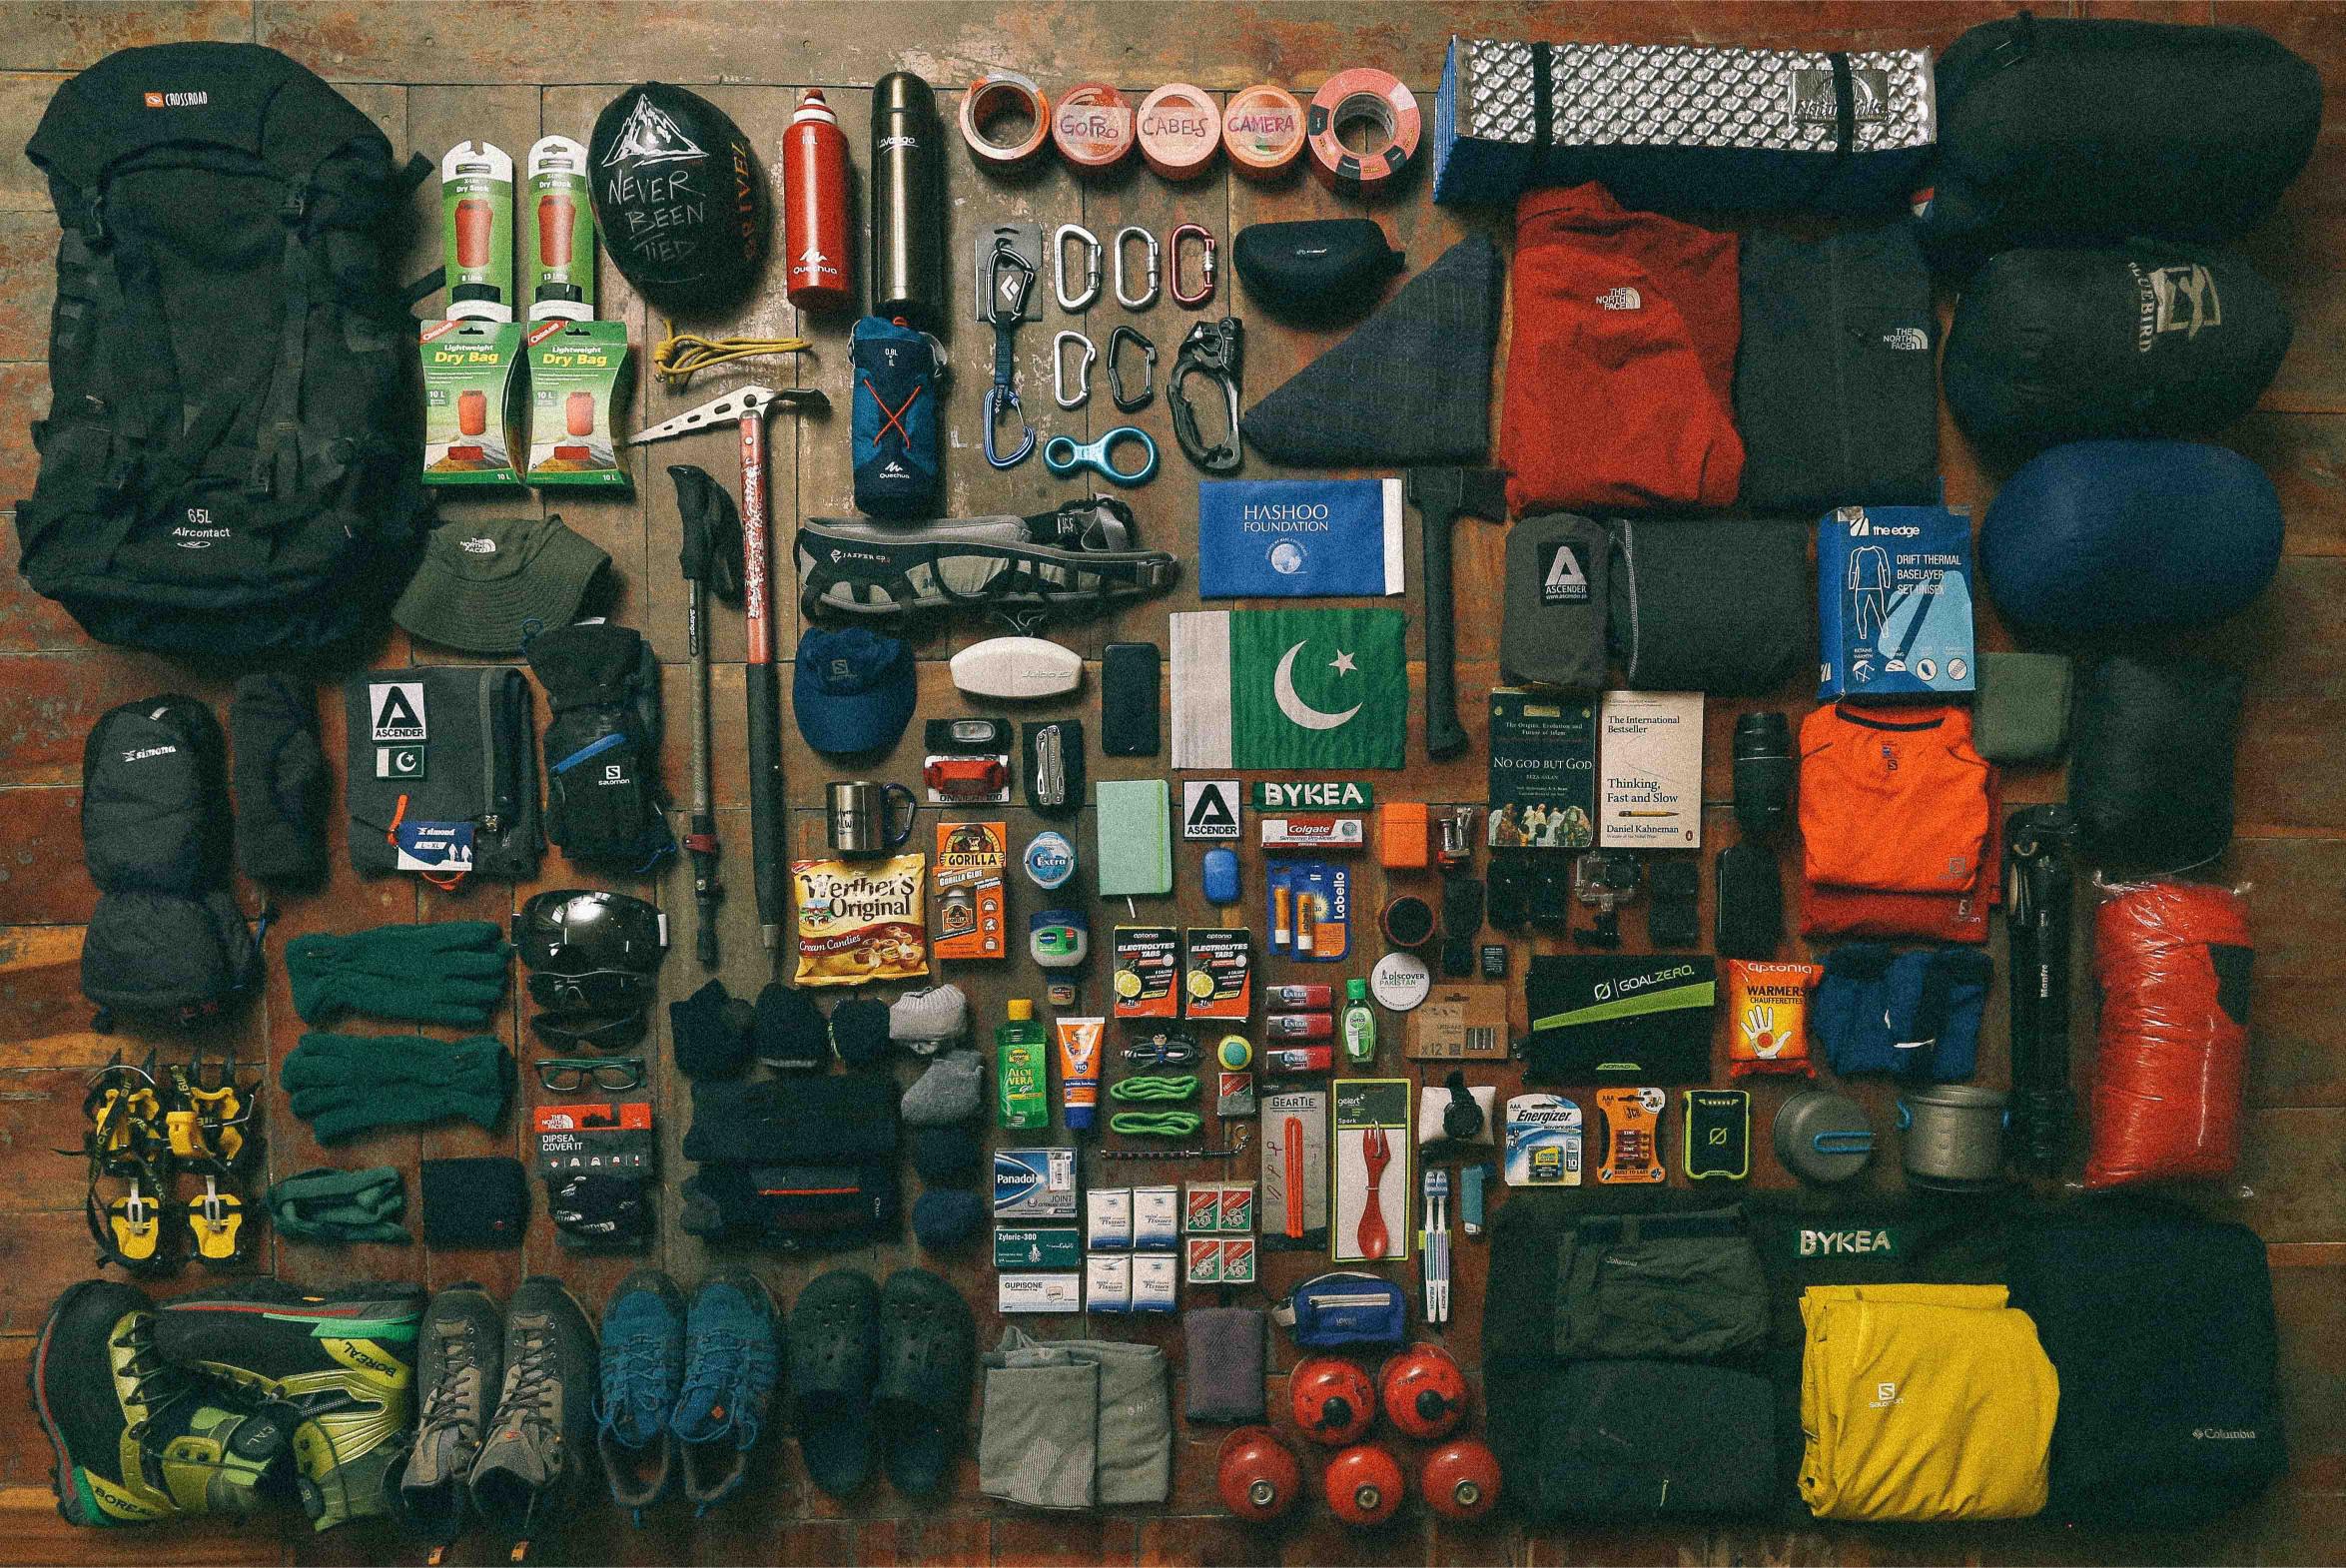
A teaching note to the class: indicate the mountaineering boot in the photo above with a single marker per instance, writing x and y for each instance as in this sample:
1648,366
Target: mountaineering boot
535,1466
730,1360
459,1367
340,1363
138,1439
642,1370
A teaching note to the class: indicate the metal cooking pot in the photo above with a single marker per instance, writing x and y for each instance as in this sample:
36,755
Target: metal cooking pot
1953,1135
1823,1137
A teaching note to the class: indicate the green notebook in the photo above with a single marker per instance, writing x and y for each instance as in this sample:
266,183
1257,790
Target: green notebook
1136,838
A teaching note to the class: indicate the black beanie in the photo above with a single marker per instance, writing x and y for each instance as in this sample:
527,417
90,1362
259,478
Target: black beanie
946,1219
791,1033
710,1032
477,1201
859,1030
947,1156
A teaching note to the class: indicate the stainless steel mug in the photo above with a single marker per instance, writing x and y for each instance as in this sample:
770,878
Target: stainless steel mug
860,818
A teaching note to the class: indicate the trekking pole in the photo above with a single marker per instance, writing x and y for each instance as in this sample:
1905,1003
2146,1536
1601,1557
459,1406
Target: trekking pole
710,558
2040,888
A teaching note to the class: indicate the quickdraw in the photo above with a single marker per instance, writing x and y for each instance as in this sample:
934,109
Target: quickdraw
1205,266
1154,273
1215,350
1076,560
1009,280
1129,402
1059,391
1072,303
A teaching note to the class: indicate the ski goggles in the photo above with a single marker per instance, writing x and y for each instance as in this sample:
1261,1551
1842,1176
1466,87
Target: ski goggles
592,991
571,1075
572,931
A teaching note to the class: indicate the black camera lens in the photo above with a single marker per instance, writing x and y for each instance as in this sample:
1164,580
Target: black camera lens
1762,774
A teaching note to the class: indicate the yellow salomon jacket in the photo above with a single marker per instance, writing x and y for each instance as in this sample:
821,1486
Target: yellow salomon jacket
1923,1402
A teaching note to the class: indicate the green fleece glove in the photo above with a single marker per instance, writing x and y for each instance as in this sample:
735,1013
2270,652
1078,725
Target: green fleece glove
450,972
344,1085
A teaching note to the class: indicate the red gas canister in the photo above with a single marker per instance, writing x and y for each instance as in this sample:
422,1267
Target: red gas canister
1364,1485
814,235
1462,1479
1258,1476
1334,1401
1424,1393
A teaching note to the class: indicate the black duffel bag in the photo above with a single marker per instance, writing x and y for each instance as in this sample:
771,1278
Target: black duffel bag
2086,131
2147,339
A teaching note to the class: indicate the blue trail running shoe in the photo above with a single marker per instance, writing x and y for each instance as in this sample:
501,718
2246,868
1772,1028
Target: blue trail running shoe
642,1370
732,1354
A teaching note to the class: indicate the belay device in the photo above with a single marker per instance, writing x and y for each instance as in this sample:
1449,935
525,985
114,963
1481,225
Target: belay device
1076,560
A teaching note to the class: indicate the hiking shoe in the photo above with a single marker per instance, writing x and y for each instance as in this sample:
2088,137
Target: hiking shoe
458,1367
340,1363
642,1369
533,1467
137,1438
731,1357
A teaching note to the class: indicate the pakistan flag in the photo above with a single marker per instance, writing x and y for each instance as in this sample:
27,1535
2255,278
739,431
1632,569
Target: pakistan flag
1322,689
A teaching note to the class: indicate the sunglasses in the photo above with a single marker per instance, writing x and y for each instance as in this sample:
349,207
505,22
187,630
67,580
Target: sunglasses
592,991
578,1032
576,930
569,1075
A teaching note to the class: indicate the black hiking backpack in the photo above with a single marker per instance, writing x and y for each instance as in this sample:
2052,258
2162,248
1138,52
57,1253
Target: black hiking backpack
228,469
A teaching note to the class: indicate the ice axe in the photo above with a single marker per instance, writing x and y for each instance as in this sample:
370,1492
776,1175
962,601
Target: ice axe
1442,497
746,408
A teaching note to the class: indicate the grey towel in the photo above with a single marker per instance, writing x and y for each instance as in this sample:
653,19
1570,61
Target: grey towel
1413,385
1040,1393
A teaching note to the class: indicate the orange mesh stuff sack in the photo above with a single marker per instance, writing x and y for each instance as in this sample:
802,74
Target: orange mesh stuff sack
2172,960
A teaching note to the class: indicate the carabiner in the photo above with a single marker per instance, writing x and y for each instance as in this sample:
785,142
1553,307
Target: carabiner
1116,382
1063,456
1147,298
1059,391
1090,243
1005,307
1204,238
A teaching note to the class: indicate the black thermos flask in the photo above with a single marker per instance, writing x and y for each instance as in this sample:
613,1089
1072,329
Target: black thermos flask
1763,769
908,202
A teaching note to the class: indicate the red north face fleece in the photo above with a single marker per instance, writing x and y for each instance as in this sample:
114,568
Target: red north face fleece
1621,363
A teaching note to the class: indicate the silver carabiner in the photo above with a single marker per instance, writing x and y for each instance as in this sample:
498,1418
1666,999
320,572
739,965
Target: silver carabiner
1090,243
1144,300
1059,391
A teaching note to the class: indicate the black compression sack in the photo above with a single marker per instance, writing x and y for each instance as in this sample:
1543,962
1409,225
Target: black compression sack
442,772
2149,338
602,743
166,938
1613,1019
1836,389
2085,131
1712,605
2150,769
1319,269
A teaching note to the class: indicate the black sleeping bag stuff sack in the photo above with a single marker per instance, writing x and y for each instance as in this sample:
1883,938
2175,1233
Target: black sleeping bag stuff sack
2161,1325
1724,605
167,939
2150,339
2086,131
1836,392
1652,1440
2151,770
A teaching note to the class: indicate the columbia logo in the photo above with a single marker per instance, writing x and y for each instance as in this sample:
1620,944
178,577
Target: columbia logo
2223,1434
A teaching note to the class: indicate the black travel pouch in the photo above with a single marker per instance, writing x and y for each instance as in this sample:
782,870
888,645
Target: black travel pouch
442,772
1552,628
1750,916
1320,270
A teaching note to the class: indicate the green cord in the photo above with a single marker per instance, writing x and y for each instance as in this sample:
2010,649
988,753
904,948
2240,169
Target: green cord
1155,1124
1161,1086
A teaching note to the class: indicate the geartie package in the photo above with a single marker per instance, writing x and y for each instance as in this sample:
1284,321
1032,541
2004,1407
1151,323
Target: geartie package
1294,1169
1894,602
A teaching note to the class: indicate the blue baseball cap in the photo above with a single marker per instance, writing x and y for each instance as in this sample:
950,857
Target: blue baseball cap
853,690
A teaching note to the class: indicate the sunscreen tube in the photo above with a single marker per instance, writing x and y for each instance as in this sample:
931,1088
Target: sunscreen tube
1078,1067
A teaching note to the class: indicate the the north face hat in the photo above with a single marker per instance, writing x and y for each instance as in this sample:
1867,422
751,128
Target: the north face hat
483,586
853,690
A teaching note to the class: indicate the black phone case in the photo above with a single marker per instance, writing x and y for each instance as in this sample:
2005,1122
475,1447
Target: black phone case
1130,701
1718,1134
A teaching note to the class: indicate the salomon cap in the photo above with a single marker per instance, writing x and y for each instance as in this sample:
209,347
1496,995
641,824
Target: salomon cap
853,690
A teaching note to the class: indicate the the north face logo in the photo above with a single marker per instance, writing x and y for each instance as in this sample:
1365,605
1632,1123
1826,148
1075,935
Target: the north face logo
1562,582
478,547
1620,297
1906,340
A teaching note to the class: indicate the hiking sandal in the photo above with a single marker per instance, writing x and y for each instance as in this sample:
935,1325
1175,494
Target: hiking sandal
928,1363
834,1364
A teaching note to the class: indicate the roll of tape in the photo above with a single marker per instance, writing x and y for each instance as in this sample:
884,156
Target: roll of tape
1361,101
992,98
1180,127
1262,130
1093,126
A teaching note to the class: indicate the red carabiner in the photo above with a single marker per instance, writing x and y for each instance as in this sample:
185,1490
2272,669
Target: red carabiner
1206,272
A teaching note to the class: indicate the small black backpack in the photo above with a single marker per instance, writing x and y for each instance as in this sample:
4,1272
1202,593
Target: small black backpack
229,465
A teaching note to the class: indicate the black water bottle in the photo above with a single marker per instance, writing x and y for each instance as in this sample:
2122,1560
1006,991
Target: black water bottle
908,203
1762,774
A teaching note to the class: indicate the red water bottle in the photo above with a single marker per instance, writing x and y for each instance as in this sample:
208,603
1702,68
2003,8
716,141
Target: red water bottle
816,235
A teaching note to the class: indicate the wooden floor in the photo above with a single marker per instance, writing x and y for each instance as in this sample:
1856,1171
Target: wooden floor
434,74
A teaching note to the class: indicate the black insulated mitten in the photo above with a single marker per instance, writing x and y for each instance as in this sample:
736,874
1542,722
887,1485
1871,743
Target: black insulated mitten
280,781
602,685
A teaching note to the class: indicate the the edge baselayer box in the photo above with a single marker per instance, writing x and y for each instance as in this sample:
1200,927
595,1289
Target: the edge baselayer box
1894,602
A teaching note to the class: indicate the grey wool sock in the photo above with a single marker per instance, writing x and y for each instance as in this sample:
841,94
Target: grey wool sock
921,1021
949,1092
